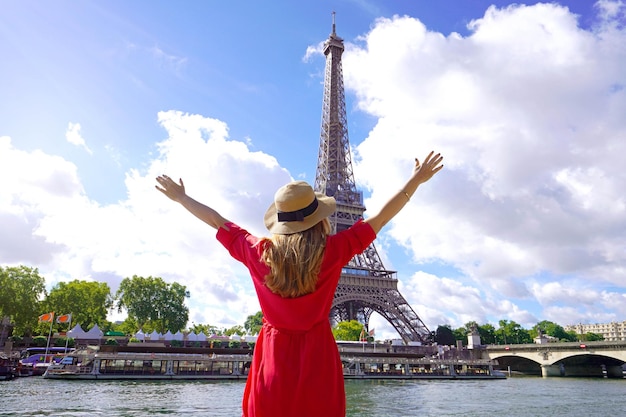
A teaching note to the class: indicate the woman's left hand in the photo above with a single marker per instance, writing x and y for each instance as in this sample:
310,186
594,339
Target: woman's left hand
172,190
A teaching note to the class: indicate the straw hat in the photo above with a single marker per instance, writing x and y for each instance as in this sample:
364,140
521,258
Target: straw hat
297,207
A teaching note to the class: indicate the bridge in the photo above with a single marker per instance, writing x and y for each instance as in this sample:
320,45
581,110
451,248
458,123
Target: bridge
581,359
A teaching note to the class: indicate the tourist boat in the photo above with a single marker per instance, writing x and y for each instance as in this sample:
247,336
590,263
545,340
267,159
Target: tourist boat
359,365
152,363
411,361
170,363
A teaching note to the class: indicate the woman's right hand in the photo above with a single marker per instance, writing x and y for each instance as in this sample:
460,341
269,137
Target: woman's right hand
430,167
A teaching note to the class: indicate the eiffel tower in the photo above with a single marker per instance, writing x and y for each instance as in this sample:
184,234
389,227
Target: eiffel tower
365,285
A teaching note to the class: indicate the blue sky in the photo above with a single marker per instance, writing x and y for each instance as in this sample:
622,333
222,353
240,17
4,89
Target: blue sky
527,222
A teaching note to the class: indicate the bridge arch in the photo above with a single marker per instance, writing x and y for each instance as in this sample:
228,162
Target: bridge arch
592,359
519,364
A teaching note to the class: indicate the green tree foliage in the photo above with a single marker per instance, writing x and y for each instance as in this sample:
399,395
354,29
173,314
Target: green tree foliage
153,301
555,330
487,334
207,329
237,329
254,323
460,334
467,327
445,336
40,341
62,342
590,337
348,330
87,301
466,330
21,289
128,326
511,332
522,335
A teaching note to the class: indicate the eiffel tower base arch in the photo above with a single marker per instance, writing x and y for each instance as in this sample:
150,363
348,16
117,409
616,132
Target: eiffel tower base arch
359,302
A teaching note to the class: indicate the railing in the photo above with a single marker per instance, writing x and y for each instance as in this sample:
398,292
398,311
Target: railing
614,344
55,369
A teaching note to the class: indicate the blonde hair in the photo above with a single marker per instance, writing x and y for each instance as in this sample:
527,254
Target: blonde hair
295,260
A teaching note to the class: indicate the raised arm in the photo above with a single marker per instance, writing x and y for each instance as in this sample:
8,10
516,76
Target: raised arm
177,193
421,174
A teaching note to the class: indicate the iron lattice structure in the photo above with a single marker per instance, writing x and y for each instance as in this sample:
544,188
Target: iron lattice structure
365,285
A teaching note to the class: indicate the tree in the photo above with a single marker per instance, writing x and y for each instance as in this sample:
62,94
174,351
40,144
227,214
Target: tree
21,289
463,332
207,329
348,330
501,332
174,313
487,334
128,326
485,331
87,301
237,329
591,337
512,332
460,334
254,323
445,336
152,300
555,330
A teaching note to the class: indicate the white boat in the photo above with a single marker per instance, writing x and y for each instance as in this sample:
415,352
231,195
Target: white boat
358,365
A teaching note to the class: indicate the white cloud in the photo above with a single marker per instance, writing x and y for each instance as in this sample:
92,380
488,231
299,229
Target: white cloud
528,113
170,62
70,236
313,50
610,10
73,136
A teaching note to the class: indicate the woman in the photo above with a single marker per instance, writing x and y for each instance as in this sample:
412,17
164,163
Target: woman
296,369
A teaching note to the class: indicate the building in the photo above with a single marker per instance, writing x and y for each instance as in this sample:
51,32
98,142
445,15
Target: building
610,331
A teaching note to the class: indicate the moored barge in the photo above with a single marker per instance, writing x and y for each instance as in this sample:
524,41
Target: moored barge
150,364
406,366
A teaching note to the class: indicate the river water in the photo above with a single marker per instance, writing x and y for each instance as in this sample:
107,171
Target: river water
518,396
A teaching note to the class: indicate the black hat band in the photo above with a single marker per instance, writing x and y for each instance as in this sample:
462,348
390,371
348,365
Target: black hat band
298,215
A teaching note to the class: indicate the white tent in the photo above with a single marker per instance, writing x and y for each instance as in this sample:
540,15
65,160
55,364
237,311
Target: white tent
139,335
168,336
177,336
192,337
93,333
154,336
77,332
201,337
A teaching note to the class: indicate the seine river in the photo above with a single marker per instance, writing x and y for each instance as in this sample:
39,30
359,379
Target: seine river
518,396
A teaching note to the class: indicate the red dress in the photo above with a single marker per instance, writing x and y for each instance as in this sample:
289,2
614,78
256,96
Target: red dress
296,369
